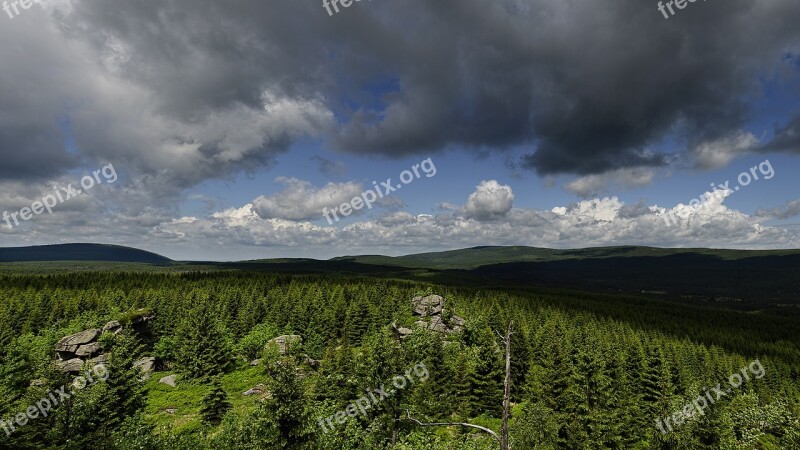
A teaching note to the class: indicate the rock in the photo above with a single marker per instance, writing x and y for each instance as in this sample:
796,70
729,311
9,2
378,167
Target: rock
102,359
88,349
437,324
257,390
430,305
71,366
114,327
401,332
169,380
171,410
256,362
285,343
144,316
70,344
146,365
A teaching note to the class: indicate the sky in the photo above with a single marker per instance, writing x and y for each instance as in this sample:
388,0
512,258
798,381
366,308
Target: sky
209,130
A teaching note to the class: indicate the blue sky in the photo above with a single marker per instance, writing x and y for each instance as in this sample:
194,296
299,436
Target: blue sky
548,123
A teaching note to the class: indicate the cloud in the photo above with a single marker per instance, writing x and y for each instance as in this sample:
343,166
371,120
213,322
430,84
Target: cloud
299,200
178,93
720,152
204,90
243,226
592,185
490,201
596,222
787,211
786,138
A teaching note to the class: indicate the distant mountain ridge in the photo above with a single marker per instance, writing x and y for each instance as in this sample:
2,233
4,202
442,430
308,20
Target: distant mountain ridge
475,257
764,279
80,252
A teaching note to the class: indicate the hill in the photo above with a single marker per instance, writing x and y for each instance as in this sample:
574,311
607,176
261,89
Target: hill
762,278
475,257
79,252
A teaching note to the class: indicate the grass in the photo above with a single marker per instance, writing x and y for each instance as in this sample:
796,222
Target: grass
187,398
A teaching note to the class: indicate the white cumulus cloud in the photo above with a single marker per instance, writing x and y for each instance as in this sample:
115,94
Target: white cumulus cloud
593,185
491,200
300,200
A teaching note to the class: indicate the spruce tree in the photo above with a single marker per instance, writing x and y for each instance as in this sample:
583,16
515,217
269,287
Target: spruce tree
215,404
288,407
486,381
203,349
122,394
520,362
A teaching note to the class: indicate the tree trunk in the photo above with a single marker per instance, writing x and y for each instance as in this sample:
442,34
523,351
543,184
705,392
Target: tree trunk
506,391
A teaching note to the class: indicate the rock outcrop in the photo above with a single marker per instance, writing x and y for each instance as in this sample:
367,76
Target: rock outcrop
69,345
428,306
285,343
433,316
401,332
114,327
147,365
76,350
73,365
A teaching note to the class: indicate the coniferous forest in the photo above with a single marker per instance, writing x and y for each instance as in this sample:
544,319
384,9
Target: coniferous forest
399,225
587,370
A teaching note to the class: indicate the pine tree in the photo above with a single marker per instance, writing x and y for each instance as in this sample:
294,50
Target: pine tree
520,362
356,322
122,394
203,349
439,379
215,404
657,383
288,407
486,381
590,398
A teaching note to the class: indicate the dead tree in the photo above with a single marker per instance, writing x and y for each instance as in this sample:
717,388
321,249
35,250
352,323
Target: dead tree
501,439
450,424
504,445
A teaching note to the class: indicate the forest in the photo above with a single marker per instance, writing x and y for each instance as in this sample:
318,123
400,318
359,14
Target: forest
588,370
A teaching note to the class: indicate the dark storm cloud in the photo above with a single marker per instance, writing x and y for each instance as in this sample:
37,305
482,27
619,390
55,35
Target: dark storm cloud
32,151
177,89
786,138
590,86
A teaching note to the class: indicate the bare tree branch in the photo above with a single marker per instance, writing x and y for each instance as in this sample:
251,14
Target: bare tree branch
501,439
448,424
